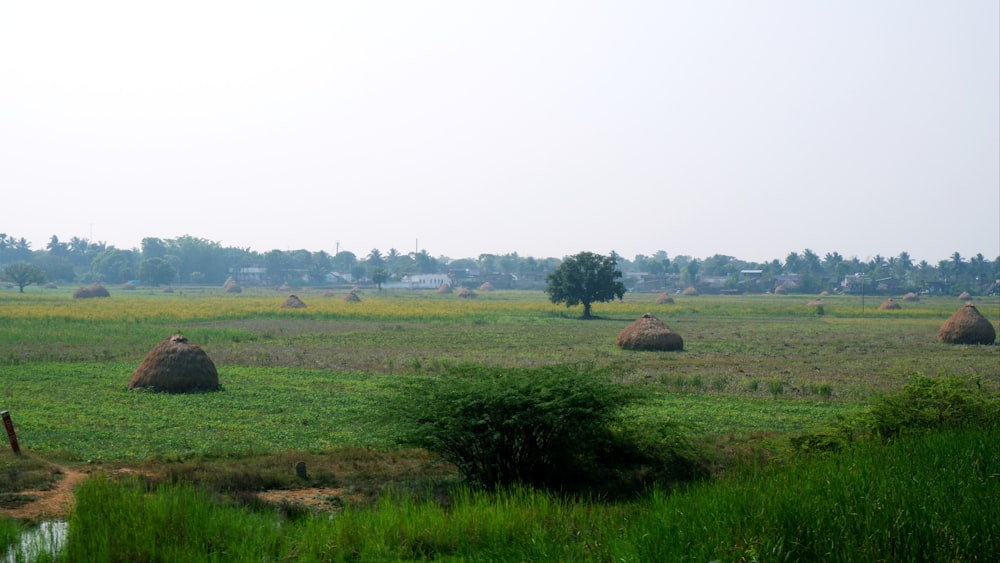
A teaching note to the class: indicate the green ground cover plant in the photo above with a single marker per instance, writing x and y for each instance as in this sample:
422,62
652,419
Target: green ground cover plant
763,380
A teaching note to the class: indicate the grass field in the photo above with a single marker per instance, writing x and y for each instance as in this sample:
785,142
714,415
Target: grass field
309,383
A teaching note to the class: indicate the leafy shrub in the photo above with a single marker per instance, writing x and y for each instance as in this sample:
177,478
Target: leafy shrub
557,427
933,402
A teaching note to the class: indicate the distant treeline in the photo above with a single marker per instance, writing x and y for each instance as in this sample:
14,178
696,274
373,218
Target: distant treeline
192,260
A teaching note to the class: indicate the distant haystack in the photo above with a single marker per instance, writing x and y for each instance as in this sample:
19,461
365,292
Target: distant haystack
352,298
444,289
95,290
964,296
911,297
129,286
51,285
690,290
967,326
176,366
824,293
487,286
780,290
466,293
168,289
890,305
293,302
649,333
816,303
232,286
664,299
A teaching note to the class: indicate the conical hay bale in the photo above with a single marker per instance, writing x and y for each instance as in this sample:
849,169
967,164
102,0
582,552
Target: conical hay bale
889,305
486,287
352,298
664,299
466,293
780,290
964,296
911,297
293,302
967,326
176,366
444,289
691,290
649,333
824,293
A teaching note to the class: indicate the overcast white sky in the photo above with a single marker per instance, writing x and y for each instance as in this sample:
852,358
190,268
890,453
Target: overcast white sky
751,129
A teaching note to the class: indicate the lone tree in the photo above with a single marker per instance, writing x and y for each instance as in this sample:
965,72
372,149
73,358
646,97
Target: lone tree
24,274
585,278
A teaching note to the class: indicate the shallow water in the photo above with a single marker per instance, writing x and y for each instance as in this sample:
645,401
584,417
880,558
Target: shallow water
46,538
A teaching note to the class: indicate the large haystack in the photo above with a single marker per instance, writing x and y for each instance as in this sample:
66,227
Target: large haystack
967,326
911,297
691,290
444,289
890,304
176,366
352,297
964,296
466,293
649,333
780,290
487,286
96,290
293,302
664,299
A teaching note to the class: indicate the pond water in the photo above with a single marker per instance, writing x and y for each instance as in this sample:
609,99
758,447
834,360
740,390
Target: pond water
46,538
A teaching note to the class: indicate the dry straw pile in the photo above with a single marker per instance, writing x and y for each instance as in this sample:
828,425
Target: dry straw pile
890,305
466,293
664,299
444,289
691,290
487,286
232,286
649,333
176,366
911,297
352,297
96,290
293,302
967,326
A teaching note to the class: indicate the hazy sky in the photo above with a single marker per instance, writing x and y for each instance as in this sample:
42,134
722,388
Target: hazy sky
751,129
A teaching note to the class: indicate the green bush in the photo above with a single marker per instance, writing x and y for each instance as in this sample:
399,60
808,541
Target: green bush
933,402
558,427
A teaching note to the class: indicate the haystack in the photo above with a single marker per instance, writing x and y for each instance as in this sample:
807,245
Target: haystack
691,290
780,290
129,286
487,287
911,297
444,289
51,285
890,305
964,296
168,289
824,293
95,290
649,333
176,366
232,286
466,293
967,326
816,303
351,298
293,302
664,299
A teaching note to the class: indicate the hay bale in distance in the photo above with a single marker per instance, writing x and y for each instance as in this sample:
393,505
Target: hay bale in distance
967,326
487,287
911,297
664,299
890,305
466,293
780,290
293,302
649,333
964,296
95,290
176,366
690,290
168,289
232,286
352,298
444,289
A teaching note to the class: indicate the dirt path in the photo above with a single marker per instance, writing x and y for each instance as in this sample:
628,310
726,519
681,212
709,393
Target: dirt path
52,504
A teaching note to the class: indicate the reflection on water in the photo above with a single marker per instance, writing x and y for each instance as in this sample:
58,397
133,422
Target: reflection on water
47,538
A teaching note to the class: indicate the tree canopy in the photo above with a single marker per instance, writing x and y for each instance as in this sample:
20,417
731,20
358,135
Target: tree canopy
585,278
24,274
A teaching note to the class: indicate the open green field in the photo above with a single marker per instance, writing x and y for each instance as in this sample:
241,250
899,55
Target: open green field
312,384
310,379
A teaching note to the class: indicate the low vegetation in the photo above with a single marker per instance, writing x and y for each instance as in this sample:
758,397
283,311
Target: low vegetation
775,434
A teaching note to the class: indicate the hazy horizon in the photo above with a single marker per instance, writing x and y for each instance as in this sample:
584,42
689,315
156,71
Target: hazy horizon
744,129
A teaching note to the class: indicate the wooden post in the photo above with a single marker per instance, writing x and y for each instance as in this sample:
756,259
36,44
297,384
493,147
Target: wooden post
9,425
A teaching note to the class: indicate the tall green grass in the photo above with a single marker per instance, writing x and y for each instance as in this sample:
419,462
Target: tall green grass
927,497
